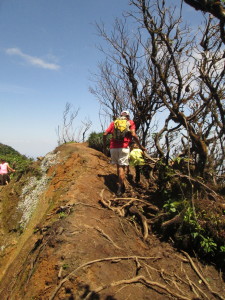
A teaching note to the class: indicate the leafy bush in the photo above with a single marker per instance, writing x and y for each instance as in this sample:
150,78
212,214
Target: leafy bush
198,227
17,161
95,141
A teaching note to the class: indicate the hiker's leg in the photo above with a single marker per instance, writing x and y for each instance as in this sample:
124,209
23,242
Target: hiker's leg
5,179
128,170
128,174
122,163
121,179
121,175
146,171
137,175
1,179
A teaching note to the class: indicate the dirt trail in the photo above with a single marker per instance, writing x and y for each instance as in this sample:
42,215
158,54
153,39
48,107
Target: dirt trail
75,247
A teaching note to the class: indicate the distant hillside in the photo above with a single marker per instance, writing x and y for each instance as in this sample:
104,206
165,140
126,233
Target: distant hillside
8,151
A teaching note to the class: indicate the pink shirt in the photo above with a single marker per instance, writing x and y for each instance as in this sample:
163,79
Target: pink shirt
120,144
4,168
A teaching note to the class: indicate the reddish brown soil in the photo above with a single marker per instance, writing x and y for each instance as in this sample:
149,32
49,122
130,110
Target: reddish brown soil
76,248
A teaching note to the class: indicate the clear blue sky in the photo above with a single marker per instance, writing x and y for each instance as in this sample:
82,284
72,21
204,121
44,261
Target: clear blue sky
47,52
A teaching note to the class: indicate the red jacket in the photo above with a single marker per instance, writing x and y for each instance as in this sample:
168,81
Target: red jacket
126,141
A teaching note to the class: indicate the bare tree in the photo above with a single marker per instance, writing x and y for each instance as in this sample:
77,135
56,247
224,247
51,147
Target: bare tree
125,80
163,72
108,90
86,126
66,132
214,7
191,84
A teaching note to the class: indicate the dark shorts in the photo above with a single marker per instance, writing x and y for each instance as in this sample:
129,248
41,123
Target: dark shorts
4,178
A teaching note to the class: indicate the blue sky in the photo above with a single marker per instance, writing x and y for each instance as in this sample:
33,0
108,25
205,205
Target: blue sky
47,53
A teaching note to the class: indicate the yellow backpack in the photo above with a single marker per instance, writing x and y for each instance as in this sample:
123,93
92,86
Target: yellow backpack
121,128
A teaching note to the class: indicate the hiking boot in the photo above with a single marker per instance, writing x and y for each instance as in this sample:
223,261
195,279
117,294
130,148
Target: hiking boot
120,191
130,177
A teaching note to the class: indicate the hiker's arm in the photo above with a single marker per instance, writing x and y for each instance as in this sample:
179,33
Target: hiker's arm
10,169
136,139
104,141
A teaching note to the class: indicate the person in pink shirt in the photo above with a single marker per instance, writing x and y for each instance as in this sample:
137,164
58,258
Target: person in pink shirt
4,170
119,150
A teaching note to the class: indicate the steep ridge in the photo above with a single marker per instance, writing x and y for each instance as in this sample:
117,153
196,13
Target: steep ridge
75,245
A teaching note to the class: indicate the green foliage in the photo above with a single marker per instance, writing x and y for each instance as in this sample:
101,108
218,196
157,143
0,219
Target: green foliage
177,199
208,245
17,161
65,266
173,207
201,240
5,150
222,249
95,141
205,244
63,214
179,160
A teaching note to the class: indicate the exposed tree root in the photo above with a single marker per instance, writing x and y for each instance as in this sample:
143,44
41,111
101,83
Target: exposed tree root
107,237
131,200
115,259
144,281
135,211
202,277
103,234
169,289
131,208
131,204
174,220
107,204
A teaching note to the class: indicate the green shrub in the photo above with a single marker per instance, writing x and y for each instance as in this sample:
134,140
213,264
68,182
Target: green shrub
17,161
95,141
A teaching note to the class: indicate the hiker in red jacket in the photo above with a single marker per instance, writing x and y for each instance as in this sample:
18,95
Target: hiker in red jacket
119,149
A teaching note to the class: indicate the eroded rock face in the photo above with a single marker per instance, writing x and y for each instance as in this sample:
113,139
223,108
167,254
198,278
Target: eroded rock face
75,243
34,188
